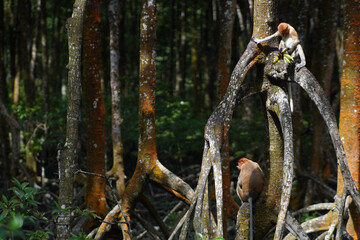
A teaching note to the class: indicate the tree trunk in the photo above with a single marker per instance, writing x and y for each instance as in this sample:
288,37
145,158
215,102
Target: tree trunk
95,110
301,27
24,44
4,133
209,51
44,58
122,47
147,155
34,42
56,46
273,171
180,80
69,155
350,105
171,79
118,164
226,22
148,165
322,68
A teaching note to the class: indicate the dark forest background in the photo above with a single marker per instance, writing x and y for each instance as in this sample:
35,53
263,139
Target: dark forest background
33,91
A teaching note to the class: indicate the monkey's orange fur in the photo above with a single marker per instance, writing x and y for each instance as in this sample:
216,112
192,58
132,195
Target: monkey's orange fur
250,181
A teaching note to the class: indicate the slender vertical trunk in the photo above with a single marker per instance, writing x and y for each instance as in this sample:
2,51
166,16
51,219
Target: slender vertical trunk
95,110
44,57
57,42
147,154
180,81
15,138
14,69
69,155
4,133
118,164
350,106
24,45
134,57
194,63
122,47
226,22
34,42
322,68
171,82
301,27
12,39
273,171
3,85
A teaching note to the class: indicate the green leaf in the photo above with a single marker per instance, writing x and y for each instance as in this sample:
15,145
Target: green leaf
16,182
5,199
16,222
4,214
24,185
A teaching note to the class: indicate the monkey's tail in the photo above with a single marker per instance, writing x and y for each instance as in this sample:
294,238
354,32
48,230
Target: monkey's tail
290,97
251,219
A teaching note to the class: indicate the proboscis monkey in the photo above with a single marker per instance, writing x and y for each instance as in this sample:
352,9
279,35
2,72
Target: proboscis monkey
250,184
289,41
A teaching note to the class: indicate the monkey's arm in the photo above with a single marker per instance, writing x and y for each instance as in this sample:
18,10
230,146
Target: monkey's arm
239,189
302,58
257,41
294,46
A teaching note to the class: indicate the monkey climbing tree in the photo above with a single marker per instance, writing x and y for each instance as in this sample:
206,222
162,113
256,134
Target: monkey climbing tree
270,84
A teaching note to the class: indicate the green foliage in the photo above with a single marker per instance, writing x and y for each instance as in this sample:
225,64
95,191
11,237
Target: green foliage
173,217
19,212
39,235
179,134
86,212
307,216
20,218
76,211
245,135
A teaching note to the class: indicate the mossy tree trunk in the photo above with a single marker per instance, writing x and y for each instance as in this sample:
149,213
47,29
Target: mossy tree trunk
69,155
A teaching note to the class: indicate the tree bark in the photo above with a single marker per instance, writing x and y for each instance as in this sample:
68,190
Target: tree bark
69,155
226,22
118,164
148,166
95,110
349,122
